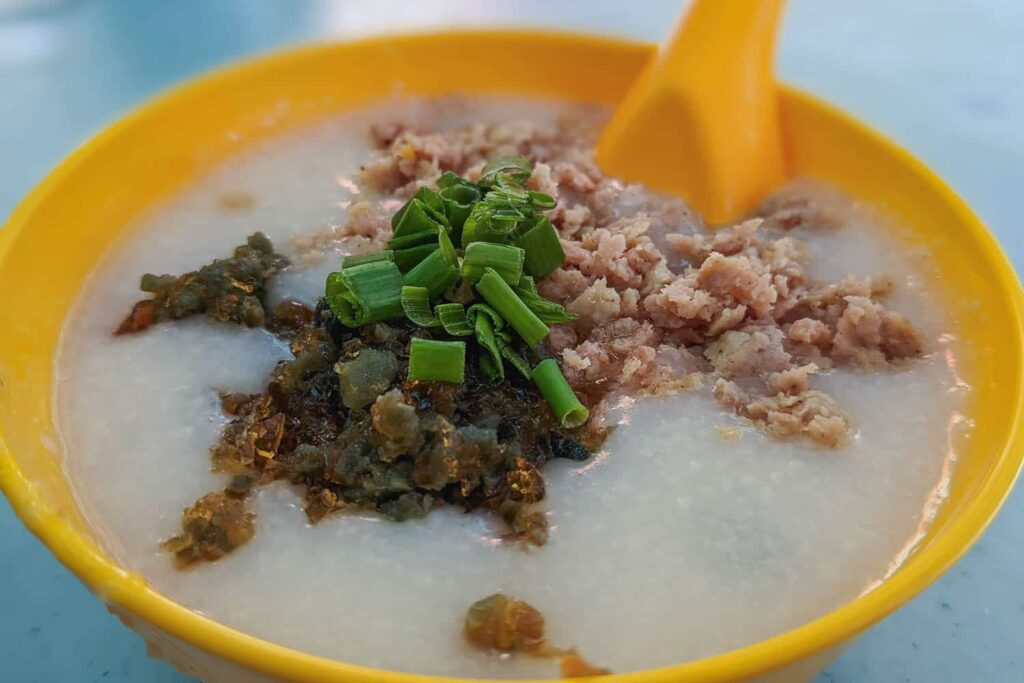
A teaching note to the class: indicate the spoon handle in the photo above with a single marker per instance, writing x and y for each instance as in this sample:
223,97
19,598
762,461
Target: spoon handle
702,120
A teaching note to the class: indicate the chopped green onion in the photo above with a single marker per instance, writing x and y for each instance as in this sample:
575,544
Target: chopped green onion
434,273
492,372
423,213
517,167
543,248
559,395
351,260
510,307
453,319
497,322
506,260
366,293
542,201
491,365
515,360
430,198
424,196
458,201
414,217
406,259
412,240
527,285
438,270
502,224
439,361
548,311
449,179
504,340
448,249
510,194
486,223
416,304
399,215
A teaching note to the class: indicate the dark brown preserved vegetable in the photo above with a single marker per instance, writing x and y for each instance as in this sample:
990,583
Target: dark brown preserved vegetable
213,526
228,290
341,420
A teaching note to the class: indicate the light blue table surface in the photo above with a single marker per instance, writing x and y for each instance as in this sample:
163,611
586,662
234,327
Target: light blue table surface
944,77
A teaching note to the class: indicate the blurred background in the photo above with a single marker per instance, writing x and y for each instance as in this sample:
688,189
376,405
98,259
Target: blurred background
943,77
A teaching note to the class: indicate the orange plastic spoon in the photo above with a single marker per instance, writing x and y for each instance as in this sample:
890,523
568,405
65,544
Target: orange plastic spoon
701,120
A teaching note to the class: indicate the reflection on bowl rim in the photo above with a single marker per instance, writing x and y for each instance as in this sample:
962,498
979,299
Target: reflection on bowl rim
128,591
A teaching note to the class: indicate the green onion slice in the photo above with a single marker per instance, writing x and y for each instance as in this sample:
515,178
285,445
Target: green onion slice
497,322
366,293
413,240
423,213
516,167
430,198
447,249
407,258
489,223
434,273
510,194
453,319
506,260
559,395
548,311
459,322
491,365
510,307
351,260
416,304
438,361
448,179
543,248
458,201
438,270
413,218
504,340
542,201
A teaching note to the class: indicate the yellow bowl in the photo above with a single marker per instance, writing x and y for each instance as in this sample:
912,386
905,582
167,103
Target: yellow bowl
54,238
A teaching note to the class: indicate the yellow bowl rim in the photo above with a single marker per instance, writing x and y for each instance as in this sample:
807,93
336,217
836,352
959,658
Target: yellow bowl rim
126,590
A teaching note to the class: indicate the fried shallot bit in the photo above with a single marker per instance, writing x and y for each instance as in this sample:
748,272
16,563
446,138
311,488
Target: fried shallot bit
227,290
504,624
213,526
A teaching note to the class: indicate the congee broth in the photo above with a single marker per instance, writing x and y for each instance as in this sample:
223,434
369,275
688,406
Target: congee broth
423,366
